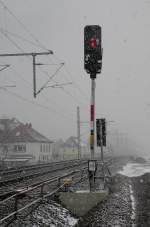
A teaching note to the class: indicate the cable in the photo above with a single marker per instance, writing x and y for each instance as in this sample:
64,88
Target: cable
2,67
21,76
79,89
13,42
5,17
18,47
24,26
18,36
70,75
27,30
68,93
75,84
35,103
50,78
70,115
41,45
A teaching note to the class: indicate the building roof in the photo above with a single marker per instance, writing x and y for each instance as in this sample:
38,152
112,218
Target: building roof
71,142
13,131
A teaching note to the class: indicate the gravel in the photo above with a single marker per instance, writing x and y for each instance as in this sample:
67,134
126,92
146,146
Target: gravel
128,205
115,211
48,214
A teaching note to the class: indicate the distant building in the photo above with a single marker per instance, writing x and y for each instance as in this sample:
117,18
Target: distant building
70,148
57,150
21,144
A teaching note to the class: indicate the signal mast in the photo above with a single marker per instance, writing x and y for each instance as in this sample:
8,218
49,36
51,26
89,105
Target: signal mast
93,66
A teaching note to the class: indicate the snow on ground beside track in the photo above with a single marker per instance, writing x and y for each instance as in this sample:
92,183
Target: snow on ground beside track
55,215
49,214
132,202
135,169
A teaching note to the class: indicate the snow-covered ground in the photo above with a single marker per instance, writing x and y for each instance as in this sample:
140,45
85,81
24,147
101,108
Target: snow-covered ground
48,214
133,215
54,215
135,169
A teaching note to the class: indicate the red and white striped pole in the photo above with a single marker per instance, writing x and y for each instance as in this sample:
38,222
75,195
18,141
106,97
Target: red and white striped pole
92,134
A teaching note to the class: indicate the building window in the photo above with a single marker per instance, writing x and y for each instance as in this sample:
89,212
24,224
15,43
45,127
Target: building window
20,148
45,148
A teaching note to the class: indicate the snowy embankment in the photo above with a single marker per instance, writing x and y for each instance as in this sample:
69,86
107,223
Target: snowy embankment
135,169
122,208
128,204
48,214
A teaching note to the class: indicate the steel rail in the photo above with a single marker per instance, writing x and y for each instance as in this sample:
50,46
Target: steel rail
42,196
30,204
39,184
35,166
17,178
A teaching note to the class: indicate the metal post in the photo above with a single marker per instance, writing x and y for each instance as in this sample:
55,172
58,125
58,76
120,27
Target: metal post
92,138
34,76
78,133
101,138
92,134
34,54
102,155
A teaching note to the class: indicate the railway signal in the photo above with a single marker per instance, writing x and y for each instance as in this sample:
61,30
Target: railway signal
92,65
103,121
98,132
101,132
92,49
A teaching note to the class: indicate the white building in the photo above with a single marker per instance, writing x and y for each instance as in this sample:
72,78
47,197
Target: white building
68,150
21,144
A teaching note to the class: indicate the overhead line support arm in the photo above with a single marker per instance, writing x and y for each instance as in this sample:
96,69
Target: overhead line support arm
33,54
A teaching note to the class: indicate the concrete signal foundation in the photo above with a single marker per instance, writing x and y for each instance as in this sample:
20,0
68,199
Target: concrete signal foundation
80,202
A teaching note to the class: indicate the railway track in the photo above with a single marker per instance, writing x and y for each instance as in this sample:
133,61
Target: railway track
6,174
13,181
23,198
17,195
19,169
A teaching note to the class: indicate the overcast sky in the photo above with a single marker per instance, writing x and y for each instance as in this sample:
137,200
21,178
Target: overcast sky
122,89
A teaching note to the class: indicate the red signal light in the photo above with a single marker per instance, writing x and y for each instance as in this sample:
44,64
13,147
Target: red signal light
92,43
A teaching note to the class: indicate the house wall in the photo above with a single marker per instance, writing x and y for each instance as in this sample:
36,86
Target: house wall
35,152
70,153
41,152
33,149
45,154
57,151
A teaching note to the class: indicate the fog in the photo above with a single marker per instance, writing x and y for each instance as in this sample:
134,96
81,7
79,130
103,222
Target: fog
122,88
